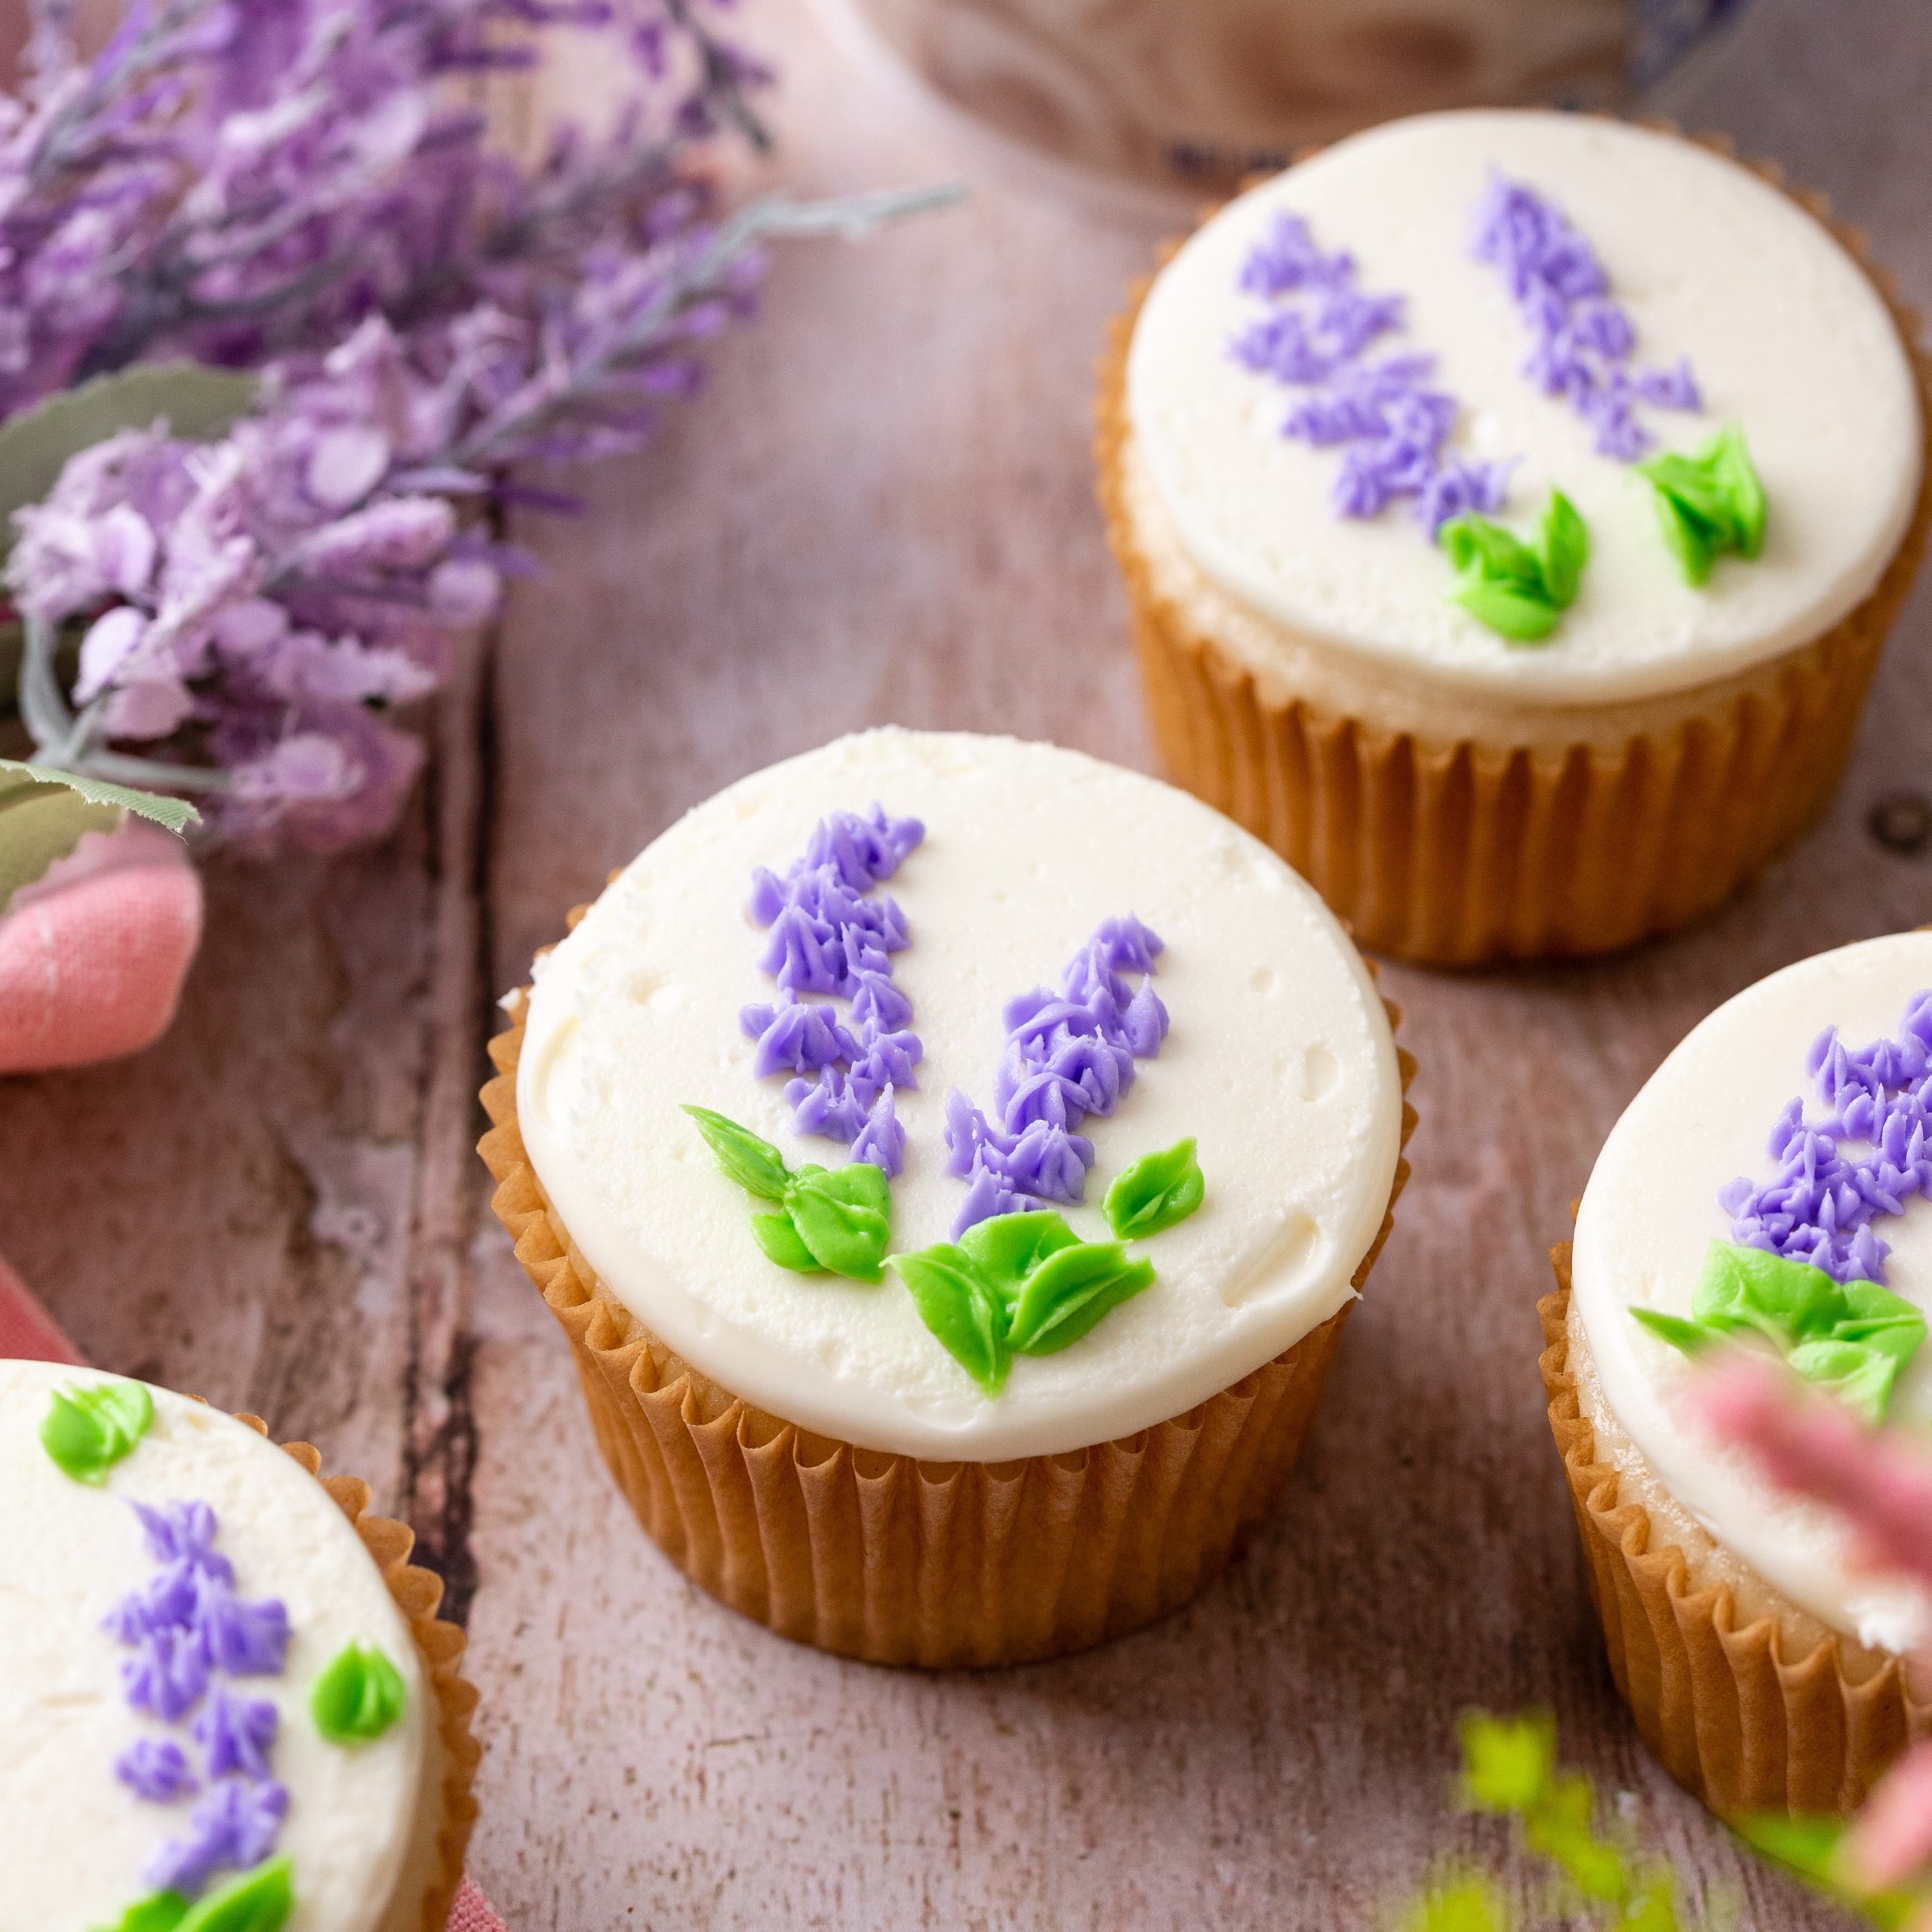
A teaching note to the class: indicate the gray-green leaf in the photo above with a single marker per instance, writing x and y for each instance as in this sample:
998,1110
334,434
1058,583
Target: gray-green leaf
40,822
1156,1191
754,1164
1069,1291
198,404
964,1310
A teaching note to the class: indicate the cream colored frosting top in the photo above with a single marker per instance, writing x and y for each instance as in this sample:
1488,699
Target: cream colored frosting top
1650,1210
1279,1061
73,1839
1787,337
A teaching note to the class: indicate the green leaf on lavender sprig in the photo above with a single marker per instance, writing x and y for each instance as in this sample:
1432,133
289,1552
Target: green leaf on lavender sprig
1157,1191
843,1216
159,1911
44,813
198,403
962,1307
1709,502
1069,1291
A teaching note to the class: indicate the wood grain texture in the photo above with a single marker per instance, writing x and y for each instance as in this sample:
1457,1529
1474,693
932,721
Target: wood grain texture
883,509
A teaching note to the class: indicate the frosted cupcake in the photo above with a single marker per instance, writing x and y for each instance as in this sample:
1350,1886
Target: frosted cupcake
1768,1183
227,1701
1512,506
953,1161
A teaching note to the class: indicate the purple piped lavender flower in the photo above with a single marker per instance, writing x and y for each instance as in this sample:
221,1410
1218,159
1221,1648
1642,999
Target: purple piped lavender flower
189,1632
1582,341
237,1734
832,938
1069,1054
157,1770
168,1674
233,1827
1391,424
1876,1100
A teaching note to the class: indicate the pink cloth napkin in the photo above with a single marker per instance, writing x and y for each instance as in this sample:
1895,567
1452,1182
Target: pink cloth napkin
92,956
28,1331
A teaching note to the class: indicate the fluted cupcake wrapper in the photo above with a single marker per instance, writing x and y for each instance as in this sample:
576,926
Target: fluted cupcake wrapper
417,1593
888,1558
1732,1718
1460,852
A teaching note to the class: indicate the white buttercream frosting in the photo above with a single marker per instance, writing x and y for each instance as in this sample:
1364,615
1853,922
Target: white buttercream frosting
1787,336
1650,1212
73,1839
1279,1062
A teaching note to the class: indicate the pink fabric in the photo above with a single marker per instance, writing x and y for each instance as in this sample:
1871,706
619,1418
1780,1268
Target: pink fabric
27,1332
92,957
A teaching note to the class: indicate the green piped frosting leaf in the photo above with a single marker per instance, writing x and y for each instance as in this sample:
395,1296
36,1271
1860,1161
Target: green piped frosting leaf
1518,592
965,1312
358,1696
1155,1192
91,1426
258,1901
1069,1291
1851,1338
779,1239
160,1911
1708,504
1008,1247
843,1217
754,1164
827,1220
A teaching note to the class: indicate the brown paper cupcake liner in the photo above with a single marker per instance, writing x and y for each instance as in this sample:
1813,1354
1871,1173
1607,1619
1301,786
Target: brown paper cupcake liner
1457,851
1735,1720
418,1592
888,1558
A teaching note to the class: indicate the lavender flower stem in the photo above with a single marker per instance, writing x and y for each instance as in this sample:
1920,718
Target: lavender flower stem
776,217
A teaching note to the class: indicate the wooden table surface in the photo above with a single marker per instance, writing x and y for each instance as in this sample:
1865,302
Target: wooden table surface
883,510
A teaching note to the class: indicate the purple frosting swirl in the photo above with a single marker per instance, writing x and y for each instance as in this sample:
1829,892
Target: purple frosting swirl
189,1630
1583,342
1820,1206
1068,1054
830,937
1391,424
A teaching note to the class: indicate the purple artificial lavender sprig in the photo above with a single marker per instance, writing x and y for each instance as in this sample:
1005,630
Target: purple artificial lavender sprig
832,938
156,1769
1820,1206
1068,1054
303,186
1391,425
1582,341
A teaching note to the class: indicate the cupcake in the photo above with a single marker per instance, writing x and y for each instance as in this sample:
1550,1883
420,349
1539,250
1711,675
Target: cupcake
227,1701
953,1161
1768,1183
1511,505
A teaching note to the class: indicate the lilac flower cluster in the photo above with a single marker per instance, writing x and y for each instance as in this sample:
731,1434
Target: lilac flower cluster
190,1632
1068,1054
1392,425
296,185
831,937
1820,1206
1583,341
